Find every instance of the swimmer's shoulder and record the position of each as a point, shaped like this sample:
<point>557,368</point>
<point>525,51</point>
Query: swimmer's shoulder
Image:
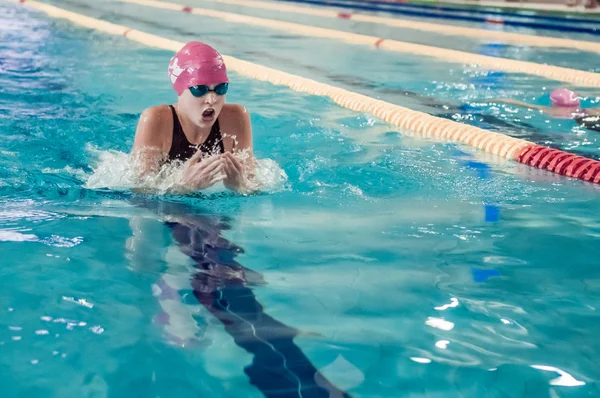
<point>235,115</point>
<point>235,123</point>
<point>155,128</point>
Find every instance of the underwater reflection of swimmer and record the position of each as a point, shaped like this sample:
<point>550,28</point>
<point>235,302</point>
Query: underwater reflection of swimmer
<point>565,104</point>
<point>279,368</point>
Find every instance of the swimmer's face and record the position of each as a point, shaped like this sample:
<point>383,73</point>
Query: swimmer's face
<point>201,106</point>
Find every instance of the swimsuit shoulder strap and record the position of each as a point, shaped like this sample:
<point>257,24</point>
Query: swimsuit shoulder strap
<point>179,144</point>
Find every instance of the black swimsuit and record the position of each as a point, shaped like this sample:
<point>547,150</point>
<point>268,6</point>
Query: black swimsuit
<point>590,122</point>
<point>182,149</point>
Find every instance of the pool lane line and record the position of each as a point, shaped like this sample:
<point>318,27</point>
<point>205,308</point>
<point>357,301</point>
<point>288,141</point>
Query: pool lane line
<point>448,30</point>
<point>437,14</point>
<point>416,123</point>
<point>572,76</point>
<point>489,10</point>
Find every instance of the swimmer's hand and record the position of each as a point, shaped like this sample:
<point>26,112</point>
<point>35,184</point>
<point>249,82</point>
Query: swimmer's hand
<point>235,173</point>
<point>201,173</point>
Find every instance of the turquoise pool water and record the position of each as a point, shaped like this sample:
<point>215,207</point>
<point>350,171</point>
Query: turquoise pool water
<point>405,268</point>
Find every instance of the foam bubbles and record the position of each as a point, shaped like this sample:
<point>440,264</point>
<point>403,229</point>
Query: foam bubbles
<point>119,171</point>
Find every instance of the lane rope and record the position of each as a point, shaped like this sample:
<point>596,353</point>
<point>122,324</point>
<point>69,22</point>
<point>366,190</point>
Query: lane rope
<point>572,76</point>
<point>449,30</point>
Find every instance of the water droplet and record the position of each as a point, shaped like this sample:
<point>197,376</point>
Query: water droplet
<point>97,329</point>
<point>439,324</point>
<point>442,344</point>
<point>16,338</point>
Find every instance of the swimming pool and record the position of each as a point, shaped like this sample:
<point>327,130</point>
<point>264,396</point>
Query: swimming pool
<point>405,267</point>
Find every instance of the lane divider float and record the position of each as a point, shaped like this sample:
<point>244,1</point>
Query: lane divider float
<point>572,76</point>
<point>449,30</point>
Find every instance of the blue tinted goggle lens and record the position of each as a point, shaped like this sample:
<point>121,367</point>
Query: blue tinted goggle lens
<point>199,91</point>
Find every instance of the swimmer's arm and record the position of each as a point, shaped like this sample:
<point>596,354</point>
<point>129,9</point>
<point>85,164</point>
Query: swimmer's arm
<point>149,148</point>
<point>240,126</point>
<point>245,145</point>
<point>516,103</point>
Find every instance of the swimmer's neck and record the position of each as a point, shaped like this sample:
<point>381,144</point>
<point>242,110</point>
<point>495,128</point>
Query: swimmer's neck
<point>195,134</point>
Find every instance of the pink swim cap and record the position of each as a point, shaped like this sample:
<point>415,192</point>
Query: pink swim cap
<point>564,98</point>
<point>196,64</point>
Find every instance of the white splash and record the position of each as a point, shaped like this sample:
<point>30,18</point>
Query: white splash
<point>565,379</point>
<point>453,303</point>
<point>54,240</point>
<point>68,170</point>
<point>439,324</point>
<point>421,360</point>
<point>12,236</point>
<point>60,241</point>
<point>97,329</point>
<point>442,344</point>
<point>117,170</point>
<point>82,302</point>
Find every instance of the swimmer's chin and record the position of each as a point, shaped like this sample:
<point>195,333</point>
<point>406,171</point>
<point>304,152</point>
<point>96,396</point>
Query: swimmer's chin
<point>204,124</point>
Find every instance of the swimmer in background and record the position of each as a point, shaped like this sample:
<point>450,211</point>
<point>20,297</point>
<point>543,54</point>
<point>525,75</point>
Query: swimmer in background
<point>565,105</point>
<point>200,130</point>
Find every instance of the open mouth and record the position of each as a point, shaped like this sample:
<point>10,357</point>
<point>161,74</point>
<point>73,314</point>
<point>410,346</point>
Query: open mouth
<point>208,114</point>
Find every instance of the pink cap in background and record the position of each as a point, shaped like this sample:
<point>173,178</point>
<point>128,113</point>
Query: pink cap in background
<point>564,98</point>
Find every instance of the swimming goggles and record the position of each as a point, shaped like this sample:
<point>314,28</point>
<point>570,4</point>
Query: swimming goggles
<point>199,91</point>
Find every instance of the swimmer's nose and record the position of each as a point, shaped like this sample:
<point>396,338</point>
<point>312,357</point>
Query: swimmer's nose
<point>211,98</point>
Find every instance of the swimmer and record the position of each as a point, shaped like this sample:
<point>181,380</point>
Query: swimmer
<point>565,105</point>
<point>200,130</point>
